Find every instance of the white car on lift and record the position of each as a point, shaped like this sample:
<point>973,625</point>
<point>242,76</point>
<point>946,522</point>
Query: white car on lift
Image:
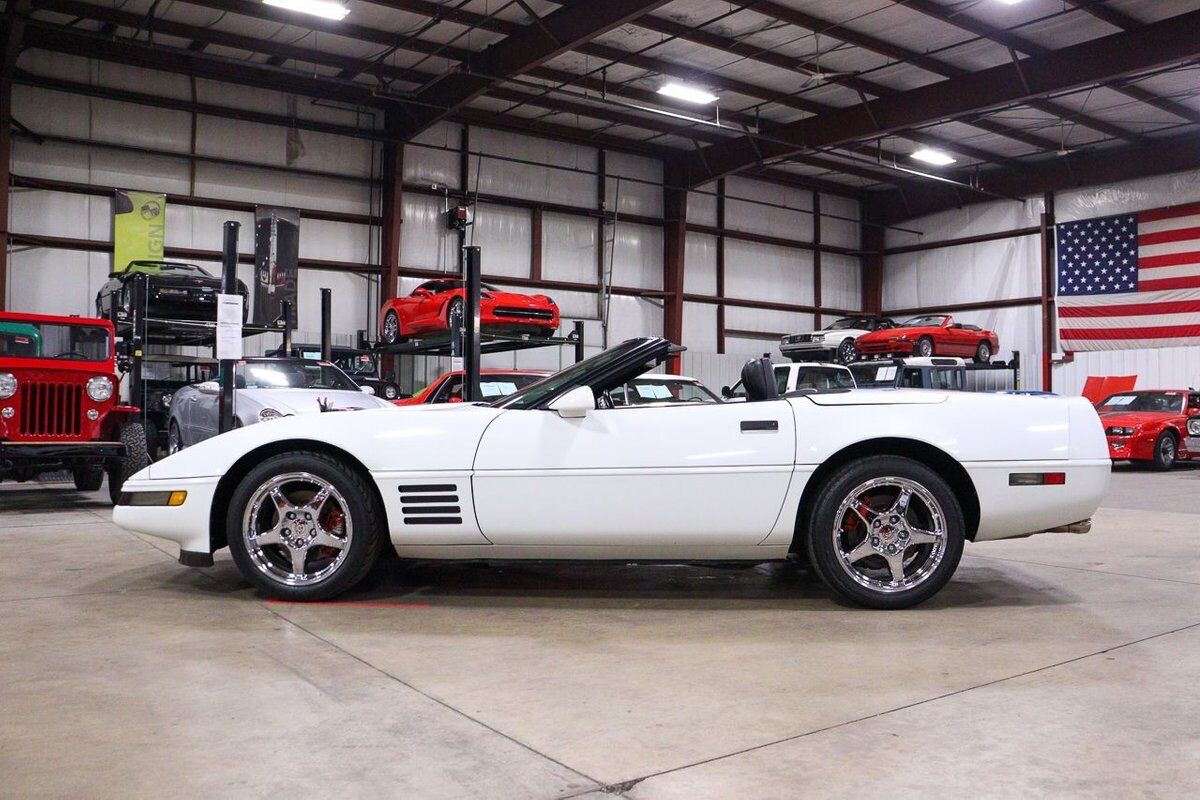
<point>834,342</point>
<point>879,490</point>
<point>795,377</point>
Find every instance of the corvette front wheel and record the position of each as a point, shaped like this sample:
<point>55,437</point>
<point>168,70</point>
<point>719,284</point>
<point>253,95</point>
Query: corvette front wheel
<point>885,532</point>
<point>924,347</point>
<point>391,328</point>
<point>302,526</point>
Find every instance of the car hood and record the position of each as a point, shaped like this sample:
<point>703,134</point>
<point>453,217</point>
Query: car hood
<point>839,333</point>
<point>1133,419</point>
<point>304,401</point>
<point>518,300</point>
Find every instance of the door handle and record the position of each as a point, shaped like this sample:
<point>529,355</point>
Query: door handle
<point>759,425</point>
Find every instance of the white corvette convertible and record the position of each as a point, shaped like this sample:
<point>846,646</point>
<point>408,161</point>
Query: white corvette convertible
<point>878,490</point>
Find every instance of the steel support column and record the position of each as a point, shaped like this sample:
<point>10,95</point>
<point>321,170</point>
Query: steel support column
<point>674,246</point>
<point>872,238</point>
<point>817,258</point>
<point>5,165</point>
<point>1048,287</point>
<point>721,264</point>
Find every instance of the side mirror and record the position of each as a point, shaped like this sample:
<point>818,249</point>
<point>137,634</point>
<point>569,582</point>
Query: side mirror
<point>575,404</point>
<point>726,392</point>
<point>367,389</point>
<point>209,387</point>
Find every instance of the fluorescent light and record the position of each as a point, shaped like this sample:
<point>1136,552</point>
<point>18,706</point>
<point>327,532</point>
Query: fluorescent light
<point>935,157</point>
<point>318,8</point>
<point>1010,2</point>
<point>689,93</point>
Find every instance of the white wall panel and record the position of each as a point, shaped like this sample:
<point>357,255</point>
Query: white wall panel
<point>503,234</point>
<point>702,205</point>
<point>997,270</point>
<point>979,218</point>
<point>839,221</point>
<point>425,241</point>
<point>425,165</point>
<point>764,272</point>
<point>633,316</point>
<point>638,257</point>
<point>700,327</point>
<point>1160,368</point>
<point>841,282</point>
<point>569,248</point>
<point>1121,198</point>
<point>50,281</point>
<point>532,181</point>
<point>700,264</point>
<point>712,369</point>
<point>793,221</point>
<point>633,196</point>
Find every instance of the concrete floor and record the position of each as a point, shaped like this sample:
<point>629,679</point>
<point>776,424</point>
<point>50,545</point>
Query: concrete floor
<point>1058,666</point>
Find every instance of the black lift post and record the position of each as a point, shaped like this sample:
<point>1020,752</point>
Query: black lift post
<point>471,343</point>
<point>229,259</point>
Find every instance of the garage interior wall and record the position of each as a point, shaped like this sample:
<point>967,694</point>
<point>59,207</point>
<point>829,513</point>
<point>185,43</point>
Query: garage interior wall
<point>1010,269</point>
<point>331,173</point>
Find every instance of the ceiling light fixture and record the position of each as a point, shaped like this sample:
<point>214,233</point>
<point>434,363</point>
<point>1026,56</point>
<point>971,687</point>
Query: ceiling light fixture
<point>1010,2</point>
<point>935,157</point>
<point>689,94</point>
<point>318,8</point>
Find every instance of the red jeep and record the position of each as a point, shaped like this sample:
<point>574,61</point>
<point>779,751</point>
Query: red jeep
<point>59,406</point>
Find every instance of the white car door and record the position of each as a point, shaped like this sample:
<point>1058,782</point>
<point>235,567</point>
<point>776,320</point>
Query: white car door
<point>680,475</point>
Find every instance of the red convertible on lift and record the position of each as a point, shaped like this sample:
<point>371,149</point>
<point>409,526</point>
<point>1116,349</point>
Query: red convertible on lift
<point>438,306</point>
<point>1149,427</point>
<point>930,335</point>
<point>493,384</point>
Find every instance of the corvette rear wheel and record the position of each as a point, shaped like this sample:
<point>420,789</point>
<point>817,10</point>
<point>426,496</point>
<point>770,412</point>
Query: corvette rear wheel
<point>302,526</point>
<point>391,328</point>
<point>885,532</point>
<point>983,353</point>
<point>455,315</point>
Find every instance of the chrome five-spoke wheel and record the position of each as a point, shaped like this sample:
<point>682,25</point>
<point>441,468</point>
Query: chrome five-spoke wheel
<point>890,534</point>
<point>297,528</point>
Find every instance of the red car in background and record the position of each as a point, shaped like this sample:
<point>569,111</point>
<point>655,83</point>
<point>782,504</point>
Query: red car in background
<point>437,306</point>
<point>930,335</point>
<point>493,384</point>
<point>1149,426</point>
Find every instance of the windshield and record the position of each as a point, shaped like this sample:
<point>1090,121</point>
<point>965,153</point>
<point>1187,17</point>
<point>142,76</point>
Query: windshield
<point>584,373</point>
<point>292,374</point>
<point>874,376</point>
<point>449,286</point>
<point>29,339</point>
<point>168,268</point>
<point>928,321</point>
<point>1166,402</point>
<point>819,379</point>
<point>492,387</point>
<point>644,391</point>
<point>850,323</point>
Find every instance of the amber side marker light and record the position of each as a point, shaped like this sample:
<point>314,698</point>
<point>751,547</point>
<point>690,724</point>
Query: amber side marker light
<point>1037,478</point>
<point>175,498</point>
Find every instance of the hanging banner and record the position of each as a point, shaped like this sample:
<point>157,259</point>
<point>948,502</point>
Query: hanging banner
<point>139,227</point>
<point>276,262</point>
<point>1129,281</point>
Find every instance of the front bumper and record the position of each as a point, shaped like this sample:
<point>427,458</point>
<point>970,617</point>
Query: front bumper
<point>808,351</point>
<point>188,525</point>
<point>1130,448</point>
<point>60,451</point>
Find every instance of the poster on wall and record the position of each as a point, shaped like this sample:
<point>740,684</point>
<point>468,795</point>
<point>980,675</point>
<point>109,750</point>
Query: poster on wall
<point>276,262</point>
<point>139,227</point>
<point>1129,281</point>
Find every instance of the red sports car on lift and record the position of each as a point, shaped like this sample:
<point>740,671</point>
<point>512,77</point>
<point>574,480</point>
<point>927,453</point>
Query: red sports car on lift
<point>1149,426</point>
<point>438,306</point>
<point>493,384</point>
<point>930,335</point>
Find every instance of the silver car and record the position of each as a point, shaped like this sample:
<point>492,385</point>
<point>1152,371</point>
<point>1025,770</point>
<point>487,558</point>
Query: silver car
<point>265,389</point>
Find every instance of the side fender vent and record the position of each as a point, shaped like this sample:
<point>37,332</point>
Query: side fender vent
<point>431,504</point>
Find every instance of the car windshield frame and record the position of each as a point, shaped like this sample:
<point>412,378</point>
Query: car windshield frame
<point>346,383</point>
<point>1136,404</point>
<point>167,268</point>
<point>602,372</point>
<point>456,283</point>
<point>667,381</point>
<point>856,323</point>
<point>45,337</point>
<point>920,322</point>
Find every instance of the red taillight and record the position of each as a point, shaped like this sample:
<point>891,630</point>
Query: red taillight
<point>1037,479</point>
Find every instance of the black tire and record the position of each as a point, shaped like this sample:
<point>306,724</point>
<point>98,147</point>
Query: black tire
<point>389,391</point>
<point>455,311</point>
<point>923,347</point>
<point>88,479</point>
<point>1166,451</point>
<point>846,352</point>
<point>391,328</point>
<point>368,520</point>
<point>820,526</point>
<point>136,458</point>
<point>983,353</point>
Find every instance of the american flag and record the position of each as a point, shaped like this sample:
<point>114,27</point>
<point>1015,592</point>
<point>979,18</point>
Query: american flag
<point>1130,281</point>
